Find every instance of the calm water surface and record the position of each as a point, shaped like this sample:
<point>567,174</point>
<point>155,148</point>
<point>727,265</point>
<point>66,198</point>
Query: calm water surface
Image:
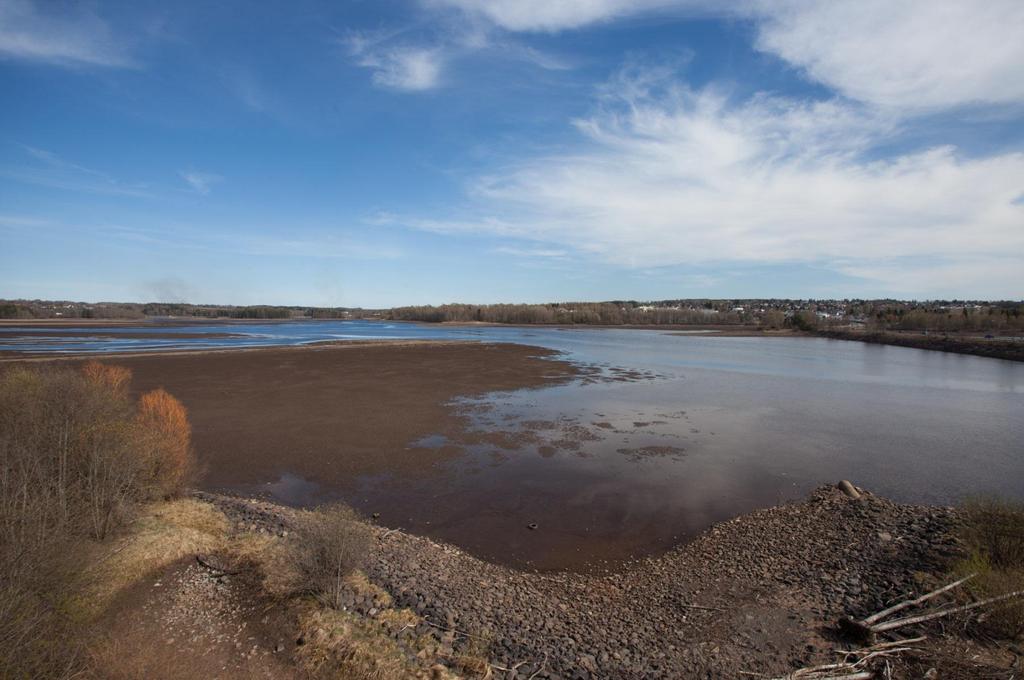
<point>701,428</point>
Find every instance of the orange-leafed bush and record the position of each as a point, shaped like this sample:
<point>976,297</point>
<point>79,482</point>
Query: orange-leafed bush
<point>114,377</point>
<point>165,427</point>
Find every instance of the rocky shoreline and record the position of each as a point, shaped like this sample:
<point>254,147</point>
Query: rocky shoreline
<point>759,593</point>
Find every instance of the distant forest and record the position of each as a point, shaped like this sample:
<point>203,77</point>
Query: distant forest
<point>941,316</point>
<point>944,316</point>
<point>590,313</point>
<point>50,309</point>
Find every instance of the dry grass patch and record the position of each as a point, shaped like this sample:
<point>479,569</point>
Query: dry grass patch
<point>163,533</point>
<point>363,586</point>
<point>272,558</point>
<point>398,619</point>
<point>341,645</point>
<point>473,658</point>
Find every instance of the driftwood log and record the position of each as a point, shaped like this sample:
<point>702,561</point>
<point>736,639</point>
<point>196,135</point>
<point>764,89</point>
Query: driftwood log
<point>849,489</point>
<point>910,620</point>
<point>867,628</point>
<point>854,665</point>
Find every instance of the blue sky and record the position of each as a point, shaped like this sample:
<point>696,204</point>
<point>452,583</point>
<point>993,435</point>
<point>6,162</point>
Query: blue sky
<point>427,151</point>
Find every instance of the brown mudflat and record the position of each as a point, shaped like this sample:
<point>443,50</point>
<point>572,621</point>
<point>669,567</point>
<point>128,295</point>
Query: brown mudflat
<point>331,414</point>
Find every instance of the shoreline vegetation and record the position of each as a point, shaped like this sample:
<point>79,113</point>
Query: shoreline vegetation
<point>976,345</point>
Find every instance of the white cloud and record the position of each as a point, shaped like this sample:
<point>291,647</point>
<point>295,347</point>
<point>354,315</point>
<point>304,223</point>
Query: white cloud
<point>406,68</point>
<point>990,278</point>
<point>553,15</point>
<point>201,182</point>
<point>905,54</point>
<point>670,176</point>
<point>909,54</point>
<point>58,33</point>
<point>552,253</point>
<point>398,67</point>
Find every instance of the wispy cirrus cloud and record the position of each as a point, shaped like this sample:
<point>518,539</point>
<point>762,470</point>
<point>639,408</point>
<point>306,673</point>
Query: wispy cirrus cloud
<point>909,55</point>
<point>201,182</point>
<point>397,66</point>
<point>545,15</point>
<point>22,221</point>
<point>549,253</point>
<point>404,62</point>
<point>59,33</point>
<point>666,175</point>
<point>47,168</point>
<point>912,54</point>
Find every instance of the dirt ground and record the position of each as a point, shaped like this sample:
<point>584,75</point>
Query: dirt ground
<point>185,621</point>
<point>332,413</point>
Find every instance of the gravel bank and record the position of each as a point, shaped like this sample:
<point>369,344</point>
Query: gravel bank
<point>757,593</point>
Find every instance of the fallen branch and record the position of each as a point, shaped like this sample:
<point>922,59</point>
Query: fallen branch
<point>808,674</point>
<point>512,671</point>
<point>881,646</point>
<point>852,670</point>
<point>702,607</point>
<point>218,571</point>
<point>916,601</point>
<point>865,629</point>
<point>448,629</point>
<point>539,668</point>
<point>909,620</point>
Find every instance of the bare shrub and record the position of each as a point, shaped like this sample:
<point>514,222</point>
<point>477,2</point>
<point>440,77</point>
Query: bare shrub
<point>331,544</point>
<point>995,528</point>
<point>75,459</point>
<point>113,475</point>
<point>37,638</point>
<point>993,532</point>
<point>115,378</point>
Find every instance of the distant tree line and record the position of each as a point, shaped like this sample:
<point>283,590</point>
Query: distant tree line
<point>807,315</point>
<point>46,309</point>
<point>589,313</point>
<point>946,317</point>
